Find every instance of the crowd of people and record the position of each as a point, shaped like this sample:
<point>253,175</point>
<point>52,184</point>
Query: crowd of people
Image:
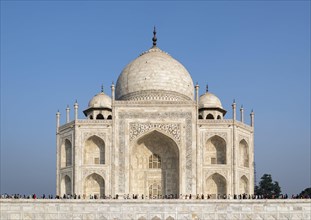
<point>136,196</point>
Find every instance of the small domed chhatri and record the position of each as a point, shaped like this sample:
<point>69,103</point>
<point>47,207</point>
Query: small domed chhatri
<point>154,138</point>
<point>99,107</point>
<point>154,75</point>
<point>210,106</point>
<point>101,100</point>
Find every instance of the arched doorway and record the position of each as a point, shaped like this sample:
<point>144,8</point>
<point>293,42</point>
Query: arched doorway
<point>154,165</point>
<point>100,117</point>
<point>216,185</point>
<point>209,116</point>
<point>244,185</point>
<point>94,185</point>
<point>66,185</point>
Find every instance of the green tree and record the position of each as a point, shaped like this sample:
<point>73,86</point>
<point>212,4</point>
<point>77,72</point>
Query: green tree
<point>267,187</point>
<point>306,193</point>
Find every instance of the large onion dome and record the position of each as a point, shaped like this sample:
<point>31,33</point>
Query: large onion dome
<point>154,75</point>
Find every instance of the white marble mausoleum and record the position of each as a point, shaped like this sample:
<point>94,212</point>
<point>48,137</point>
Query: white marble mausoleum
<point>155,136</point>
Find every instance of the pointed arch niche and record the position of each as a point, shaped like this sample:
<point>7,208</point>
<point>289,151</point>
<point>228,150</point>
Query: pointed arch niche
<point>66,154</point>
<point>65,185</point>
<point>154,161</point>
<point>215,185</point>
<point>244,185</point>
<point>244,154</point>
<point>94,184</point>
<point>215,151</point>
<point>94,151</point>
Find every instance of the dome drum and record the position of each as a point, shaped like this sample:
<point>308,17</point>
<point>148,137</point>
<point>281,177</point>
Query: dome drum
<point>155,95</point>
<point>223,111</point>
<point>89,110</point>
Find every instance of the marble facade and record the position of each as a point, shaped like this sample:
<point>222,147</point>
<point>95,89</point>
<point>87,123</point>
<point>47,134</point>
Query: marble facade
<point>155,136</point>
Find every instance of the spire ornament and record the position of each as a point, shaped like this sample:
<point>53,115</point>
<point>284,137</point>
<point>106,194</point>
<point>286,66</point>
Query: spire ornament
<point>154,39</point>
<point>206,87</point>
<point>102,88</point>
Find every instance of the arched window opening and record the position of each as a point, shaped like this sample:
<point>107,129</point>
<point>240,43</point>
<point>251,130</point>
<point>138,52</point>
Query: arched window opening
<point>209,116</point>
<point>244,154</point>
<point>216,186</point>
<point>215,151</point>
<point>218,117</point>
<point>109,117</point>
<point>91,116</point>
<point>155,190</point>
<point>94,185</point>
<point>68,149</point>
<point>154,161</point>
<point>94,151</point>
<point>100,117</point>
<point>200,117</point>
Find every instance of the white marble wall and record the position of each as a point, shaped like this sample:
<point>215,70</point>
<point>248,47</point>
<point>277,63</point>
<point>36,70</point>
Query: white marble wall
<point>177,121</point>
<point>154,209</point>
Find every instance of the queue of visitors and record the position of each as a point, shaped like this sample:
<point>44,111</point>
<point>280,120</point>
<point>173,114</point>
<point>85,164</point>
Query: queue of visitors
<point>136,196</point>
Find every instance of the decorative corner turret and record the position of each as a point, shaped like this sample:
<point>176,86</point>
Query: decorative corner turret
<point>210,106</point>
<point>99,106</point>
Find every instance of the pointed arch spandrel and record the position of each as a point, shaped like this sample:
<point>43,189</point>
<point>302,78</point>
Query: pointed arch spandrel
<point>137,130</point>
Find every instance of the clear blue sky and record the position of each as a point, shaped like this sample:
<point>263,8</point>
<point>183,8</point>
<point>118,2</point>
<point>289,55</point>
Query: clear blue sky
<point>54,52</point>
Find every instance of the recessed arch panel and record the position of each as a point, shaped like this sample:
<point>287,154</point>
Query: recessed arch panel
<point>216,185</point>
<point>66,185</point>
<point>66,153</point>
<point>94,150</point>
<point>244,185</point>
<point>94,185</point>
<point>244,154</point>
<point>215,151</point>
<point>154,165</point>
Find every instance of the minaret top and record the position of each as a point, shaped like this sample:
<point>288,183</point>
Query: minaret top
<point>154,39</point>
